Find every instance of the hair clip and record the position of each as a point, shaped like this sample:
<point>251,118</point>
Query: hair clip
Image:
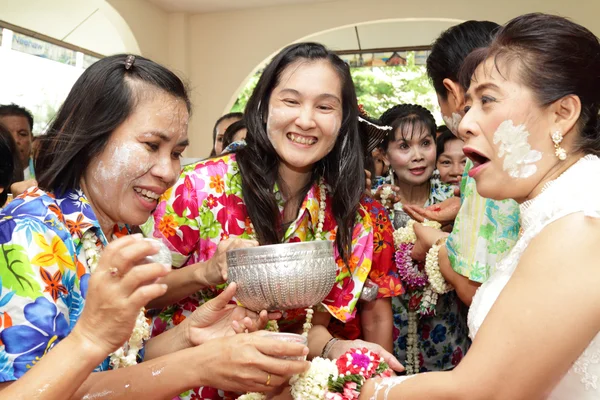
<point>129,61</point>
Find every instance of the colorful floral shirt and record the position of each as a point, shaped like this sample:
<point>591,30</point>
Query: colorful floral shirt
<point>44,275</point>
<point>443,337</point>
<point>484,232</point>
<point>206,206</point>
<point>383,269</point>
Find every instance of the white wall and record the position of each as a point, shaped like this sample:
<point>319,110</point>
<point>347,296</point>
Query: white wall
<point>224,48</point>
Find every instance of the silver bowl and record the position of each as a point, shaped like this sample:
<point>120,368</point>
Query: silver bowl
<point>282,276</point>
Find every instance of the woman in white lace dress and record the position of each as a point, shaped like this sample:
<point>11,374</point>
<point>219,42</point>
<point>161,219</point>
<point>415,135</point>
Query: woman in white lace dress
<point>534,135</point>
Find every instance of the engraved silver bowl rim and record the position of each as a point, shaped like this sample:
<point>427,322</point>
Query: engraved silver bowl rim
<point>267,258</point>
<point>279,249</point>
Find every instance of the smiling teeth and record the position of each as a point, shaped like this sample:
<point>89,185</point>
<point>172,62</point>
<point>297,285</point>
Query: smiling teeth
<point>301,139</point>
<point>147,193</point>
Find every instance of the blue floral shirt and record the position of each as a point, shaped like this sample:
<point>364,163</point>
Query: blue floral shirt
<point>44,275</point>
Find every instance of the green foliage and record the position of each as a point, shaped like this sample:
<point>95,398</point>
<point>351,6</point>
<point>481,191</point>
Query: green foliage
<point>337,385</point>
<point>379,88</point>
<point>240,103</point>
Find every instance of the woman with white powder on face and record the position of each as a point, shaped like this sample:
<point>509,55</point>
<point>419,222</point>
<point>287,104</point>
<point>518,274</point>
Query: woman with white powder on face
<point>532,123</point>
<point>112,150</point>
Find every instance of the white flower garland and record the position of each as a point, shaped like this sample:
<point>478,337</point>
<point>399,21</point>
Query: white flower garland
<point>126,355</point>
<point>412,347</point>
<point>432,269</point>
<point>313,384</point>
<point>386,193</point>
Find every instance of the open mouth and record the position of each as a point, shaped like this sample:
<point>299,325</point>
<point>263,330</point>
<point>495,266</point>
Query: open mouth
<point>475,156</point>
<point>147,194</point>
<point>479,161</point>
<point>305,140</point>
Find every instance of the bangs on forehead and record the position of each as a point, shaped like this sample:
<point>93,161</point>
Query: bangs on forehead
<point>409,128</point>
<point>502,60</point>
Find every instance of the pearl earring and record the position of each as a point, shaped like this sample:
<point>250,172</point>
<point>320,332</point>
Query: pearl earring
<point>559,152</point>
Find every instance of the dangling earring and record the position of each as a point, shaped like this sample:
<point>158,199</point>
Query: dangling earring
<point>391,175</point>
<point>559,152</point>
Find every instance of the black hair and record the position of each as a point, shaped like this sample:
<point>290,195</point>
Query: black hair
<point>16,110</point>
<point>103,97</point>
<point>555,58</point>
<point>231,131</point>
<point>407,119</point>
<point>231,115</point>
<point>452,47</point>
<point>10,166</point>
<point>341,168</point>
<point>444,137</point>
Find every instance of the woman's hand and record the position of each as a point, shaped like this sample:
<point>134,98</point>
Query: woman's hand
<point>445,212</point>
<point>426,237</point>
<point>215,272</point>
<point>218,318</point>
<point>342,346</point>
<point>117,290</point>
<point>393,198</point>
<point>251,362</point>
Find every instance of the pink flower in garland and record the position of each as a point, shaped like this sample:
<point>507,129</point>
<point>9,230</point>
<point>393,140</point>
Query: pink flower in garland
<point>351,391</point>
<point>358,361</point>
<point>410,273</point>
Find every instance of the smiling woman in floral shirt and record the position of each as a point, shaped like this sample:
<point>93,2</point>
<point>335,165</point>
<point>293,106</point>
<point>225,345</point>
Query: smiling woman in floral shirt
<point>299,177</point>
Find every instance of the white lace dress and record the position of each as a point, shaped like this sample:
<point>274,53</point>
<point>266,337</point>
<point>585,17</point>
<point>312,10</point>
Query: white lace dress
<point>574,191</point>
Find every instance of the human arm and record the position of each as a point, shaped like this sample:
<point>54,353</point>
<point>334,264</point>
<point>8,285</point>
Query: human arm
<point>540,324</point>
<point>214,319</point>
<point>113,303</point>
<point>377,322</point>
<point>238,363</point>
<point>445,212</point>
<point>182,282</point>
<point>426,238</point>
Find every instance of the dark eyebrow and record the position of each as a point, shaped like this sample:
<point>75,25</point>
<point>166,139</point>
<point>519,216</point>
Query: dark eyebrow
<point>166,138</point>
<point>323,95</point>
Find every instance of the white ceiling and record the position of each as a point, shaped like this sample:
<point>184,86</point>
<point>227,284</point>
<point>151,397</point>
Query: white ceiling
<point>81,23</point>
<point>208,6</point>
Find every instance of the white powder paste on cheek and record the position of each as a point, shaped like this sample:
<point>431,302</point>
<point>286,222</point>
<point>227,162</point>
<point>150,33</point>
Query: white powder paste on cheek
<point>519,159</point>
<point>453,123</point>
<point>276,118</point>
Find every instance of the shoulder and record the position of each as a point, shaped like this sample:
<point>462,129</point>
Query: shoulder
<point>567,245</point>
<point>212,166</point>
<point>34,208</point>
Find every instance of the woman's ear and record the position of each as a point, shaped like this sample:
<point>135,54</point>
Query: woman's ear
<point>565,113</point>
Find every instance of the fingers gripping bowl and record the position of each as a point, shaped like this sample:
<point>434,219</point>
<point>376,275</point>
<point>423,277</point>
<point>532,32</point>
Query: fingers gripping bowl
<point>282,276</point>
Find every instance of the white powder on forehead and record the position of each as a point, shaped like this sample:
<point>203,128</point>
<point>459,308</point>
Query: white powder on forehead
<point>519,159</point>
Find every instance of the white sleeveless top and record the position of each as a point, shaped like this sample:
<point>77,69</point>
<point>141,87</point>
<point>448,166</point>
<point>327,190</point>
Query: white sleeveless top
<point>574,191</point>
